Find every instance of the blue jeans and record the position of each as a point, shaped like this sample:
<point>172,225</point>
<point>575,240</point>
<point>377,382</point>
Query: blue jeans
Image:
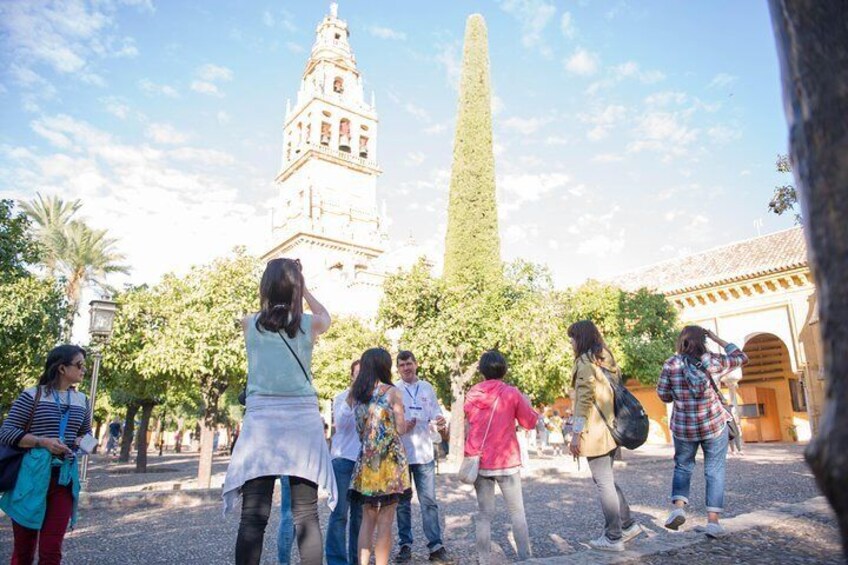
<point>338,522</point>
<point>715,459</point>
<point>285,537</point>
<point>424,475</point>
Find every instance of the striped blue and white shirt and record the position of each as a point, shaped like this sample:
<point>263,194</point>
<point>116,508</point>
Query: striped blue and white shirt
<point>45,422</point>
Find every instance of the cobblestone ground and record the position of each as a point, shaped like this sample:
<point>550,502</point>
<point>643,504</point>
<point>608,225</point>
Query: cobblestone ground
<point>804,540</point>
<point>562,511</point>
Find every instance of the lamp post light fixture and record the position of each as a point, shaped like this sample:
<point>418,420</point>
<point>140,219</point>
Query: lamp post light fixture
<point>102,317</point>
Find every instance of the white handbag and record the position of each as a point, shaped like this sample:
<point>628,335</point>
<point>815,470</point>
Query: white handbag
<point>471,463</point>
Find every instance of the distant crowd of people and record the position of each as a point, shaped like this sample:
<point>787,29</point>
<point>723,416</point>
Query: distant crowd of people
<point>382,442</point>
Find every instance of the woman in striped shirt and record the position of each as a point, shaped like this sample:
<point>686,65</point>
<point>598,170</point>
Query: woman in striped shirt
<point>61,417</point>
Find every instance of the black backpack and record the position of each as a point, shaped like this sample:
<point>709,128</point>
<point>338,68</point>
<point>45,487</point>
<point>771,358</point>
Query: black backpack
<point>630,426</point>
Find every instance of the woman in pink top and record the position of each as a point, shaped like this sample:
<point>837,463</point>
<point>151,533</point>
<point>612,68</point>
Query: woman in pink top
<point>491,410</point>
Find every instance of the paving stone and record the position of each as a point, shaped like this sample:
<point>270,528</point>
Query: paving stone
<point>561,504</point>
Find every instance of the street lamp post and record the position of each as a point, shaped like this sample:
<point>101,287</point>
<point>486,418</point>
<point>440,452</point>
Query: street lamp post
<point>100,328</point>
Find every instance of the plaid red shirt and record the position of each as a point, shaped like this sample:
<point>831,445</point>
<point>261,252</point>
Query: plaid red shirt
<point>694,418</point>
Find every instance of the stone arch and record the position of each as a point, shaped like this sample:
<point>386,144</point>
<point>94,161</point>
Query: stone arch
<point>773,402</point>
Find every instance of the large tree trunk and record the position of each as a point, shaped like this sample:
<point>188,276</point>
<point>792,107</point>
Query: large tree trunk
<point>127,435</point>
<point>459,381</point>
<point>812,45</point>
<point>213,392</point>
<point>141,445</point>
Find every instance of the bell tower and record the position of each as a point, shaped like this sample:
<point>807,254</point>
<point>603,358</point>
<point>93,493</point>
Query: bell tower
<point>327,210</point>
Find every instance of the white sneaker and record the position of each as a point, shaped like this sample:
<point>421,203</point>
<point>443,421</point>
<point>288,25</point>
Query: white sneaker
<point>714,530</point>
<point>633,531</point>
<point>676,518</point>
<point>603,543</point>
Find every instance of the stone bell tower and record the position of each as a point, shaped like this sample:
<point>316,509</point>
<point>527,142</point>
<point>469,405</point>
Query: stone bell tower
<point>327,210</point>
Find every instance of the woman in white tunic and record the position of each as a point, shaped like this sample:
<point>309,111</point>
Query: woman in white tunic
<point>282,433</point>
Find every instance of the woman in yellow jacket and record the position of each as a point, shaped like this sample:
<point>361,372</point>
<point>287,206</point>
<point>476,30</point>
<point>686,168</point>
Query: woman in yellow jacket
<point>591,437</point>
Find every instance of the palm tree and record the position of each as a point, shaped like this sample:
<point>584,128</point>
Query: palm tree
<point>88,256</point>
<point>52,216</point>
<point>80,255</point>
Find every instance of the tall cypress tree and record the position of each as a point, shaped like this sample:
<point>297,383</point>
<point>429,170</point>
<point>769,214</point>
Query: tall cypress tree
<point>472,245</point>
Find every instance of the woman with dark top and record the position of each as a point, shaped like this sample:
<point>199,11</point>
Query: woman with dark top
<point>381,475</point>
<point>61,418</point>
<point>282,433</point>
<point>698,420</point>
<point>591,438</point>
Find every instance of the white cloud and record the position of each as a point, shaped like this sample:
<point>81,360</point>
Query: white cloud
<point>497,104</point>
<point>556,140</point>
<point>204,87</point>
<point>116,106</point>
<point>436,128</point>
<point>159,89</point>
<point>223,117</point>
<point>165,134</point>
<point>283,17</point>
<point>534,16</point>
<point>68,37</point>
<point>518,233</point>
<point>382,32</point>
<point>213,73</point>
<point>449,56</point>
<point>207,77</point>
<point>602,246</point>
<point>724,134</point>
<point>415,158</point>
<point>294,47</point>
<point>629,70</point>
<point>667,98</point>
<point>607,158</point>
<point>668,133</point>
<point>411,108</point>
<point>722,80</point>
<point>566,25</point>
<point>515,190</point>
<point>524,126</point>
<point>603,121</point>
<point>196,203</point>
<point>582,62</point>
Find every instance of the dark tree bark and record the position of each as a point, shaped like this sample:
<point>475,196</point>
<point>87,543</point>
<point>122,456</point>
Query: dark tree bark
<point>812,45</point>
<point>127,435</point>
<point>141,444</point>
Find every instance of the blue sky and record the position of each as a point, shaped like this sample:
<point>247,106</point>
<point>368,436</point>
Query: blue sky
<point>626,132</point>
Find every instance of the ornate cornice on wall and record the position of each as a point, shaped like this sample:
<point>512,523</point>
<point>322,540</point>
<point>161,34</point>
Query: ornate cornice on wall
<point>775,284</point>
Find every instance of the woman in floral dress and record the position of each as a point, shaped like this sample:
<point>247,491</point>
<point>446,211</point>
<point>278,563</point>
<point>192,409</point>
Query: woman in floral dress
<point>381,476</point>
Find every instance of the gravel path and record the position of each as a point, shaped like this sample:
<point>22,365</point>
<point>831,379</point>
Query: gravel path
<point>562,512</point>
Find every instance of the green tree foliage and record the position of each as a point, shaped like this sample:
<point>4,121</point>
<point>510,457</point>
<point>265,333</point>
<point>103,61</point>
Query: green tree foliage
<point>336,349</point>
<point>17,248</point>
<point>472,245</point>
<point>639,328</point>
<point>201,341</point>
<point>130,380</point>
<point>31,308</point>
<point>785,198</point>
<point>80,255</point>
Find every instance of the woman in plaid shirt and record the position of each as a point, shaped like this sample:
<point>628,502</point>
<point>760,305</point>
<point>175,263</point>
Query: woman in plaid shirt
<point>698,419</point>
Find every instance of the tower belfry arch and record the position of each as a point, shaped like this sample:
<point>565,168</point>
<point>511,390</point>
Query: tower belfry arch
<point>327,214</point>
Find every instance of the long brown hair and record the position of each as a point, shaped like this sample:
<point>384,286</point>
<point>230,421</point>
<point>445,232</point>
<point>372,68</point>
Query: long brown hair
<point>281,297</point>
<point>375,366</point>
<point>587,339</point>
<point>692,341</point>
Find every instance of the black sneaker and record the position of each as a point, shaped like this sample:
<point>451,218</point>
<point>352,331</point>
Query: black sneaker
<point>441,556</point>
<point>404,555</point>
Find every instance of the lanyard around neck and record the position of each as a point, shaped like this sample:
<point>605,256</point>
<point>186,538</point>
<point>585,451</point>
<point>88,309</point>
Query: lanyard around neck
<point>65,412</point>
<point>415,396</point>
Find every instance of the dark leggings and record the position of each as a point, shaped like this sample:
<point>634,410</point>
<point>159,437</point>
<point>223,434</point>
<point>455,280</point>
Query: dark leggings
<point>256,508</point>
